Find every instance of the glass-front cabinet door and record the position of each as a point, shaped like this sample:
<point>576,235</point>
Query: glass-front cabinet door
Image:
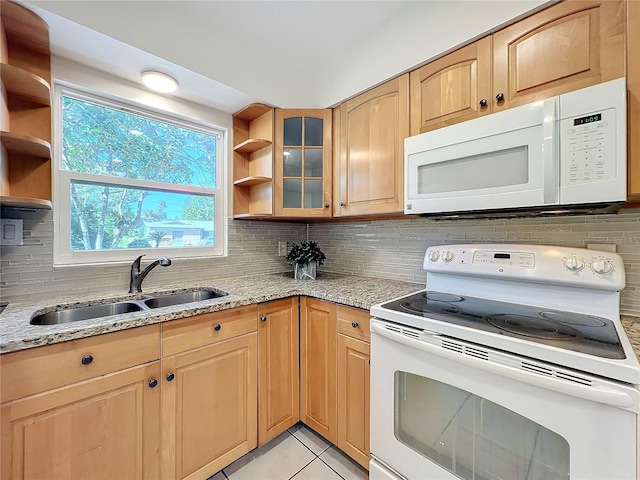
<point>303,163</point>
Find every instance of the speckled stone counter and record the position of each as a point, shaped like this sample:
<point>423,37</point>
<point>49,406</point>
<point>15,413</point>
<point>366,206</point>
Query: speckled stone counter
<point>17,334</point>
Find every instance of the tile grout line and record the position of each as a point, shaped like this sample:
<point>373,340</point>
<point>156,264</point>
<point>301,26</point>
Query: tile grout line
<point>313,460</point>
<point>330,466</point>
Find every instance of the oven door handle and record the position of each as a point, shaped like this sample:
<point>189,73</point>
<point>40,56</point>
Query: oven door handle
<point>595,394</point>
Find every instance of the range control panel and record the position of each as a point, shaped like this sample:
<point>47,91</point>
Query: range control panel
<point>533,263</point>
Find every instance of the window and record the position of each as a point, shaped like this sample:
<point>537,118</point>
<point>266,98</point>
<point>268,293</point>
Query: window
<point>132,182</point>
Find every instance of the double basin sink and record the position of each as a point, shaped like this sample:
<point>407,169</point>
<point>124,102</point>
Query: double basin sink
<point>125,306</point>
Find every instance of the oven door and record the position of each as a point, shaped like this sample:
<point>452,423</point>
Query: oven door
<point>443,408</point>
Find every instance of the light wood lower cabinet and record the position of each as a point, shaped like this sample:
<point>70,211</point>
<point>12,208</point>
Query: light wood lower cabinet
<point>278,368</point>
<point>103,428</point>
<point>209,398</point>
<point>353,398</point>
<point>318,363</point>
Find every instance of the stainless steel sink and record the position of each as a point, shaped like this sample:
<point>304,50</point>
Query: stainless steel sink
<point>179,298</point>
<point>85,313</point>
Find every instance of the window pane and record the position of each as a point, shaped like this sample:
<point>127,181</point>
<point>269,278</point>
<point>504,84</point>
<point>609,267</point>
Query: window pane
<point>105,141</point>
<point>292,162</point>
<point>313,194</point>
<point>313,162</point>
<point>313,132</point>
<point>114,217</point>
<point>293,131</point>
<point>292,193</point>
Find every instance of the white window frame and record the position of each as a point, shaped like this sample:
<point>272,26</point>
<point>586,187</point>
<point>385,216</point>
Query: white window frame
<point>63,254</point>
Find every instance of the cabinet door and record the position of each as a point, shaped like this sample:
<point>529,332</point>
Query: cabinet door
<point>209,407</point>
<point>452,89</point>
<point>568,46</point>
<point>353,398</point>
<point>369,169</point>
<point>103,428</point>
<point>633,97</point>
<point>318,363</point>
<point>303,163</point>
<point>278,368</point>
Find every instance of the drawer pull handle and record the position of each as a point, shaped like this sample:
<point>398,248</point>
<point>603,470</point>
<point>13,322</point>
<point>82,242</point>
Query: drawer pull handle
<point>354,324</point>
<point>87,359</point>
<point>170,376</point>
<point>217,327</point>
<point>500,97</point>
<point>483,102</point>
<point>153,383</point>
<point>263,318</point>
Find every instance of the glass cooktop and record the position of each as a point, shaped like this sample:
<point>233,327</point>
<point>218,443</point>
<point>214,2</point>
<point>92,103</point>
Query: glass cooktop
<point>571,331</point>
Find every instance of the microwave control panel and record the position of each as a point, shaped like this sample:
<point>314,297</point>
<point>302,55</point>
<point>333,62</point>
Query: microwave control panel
<point>588,147</point>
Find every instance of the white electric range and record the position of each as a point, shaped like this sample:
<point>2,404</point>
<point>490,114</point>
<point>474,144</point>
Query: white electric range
<point>512,364</point>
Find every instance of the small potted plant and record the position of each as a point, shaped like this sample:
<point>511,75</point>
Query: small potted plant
<point>304,259</point>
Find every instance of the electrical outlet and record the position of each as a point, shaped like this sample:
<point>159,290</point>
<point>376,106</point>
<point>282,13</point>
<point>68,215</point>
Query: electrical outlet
<point>282,248</point>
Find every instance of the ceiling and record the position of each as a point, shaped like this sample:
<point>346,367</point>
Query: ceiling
<point>302,54</point>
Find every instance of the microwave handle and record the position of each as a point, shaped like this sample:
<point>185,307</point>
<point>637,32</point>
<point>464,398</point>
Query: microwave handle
<point>594,394</point>
<point>551,160</point>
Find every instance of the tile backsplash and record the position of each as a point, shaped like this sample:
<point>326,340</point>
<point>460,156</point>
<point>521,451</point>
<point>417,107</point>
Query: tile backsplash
<point>380,248</point>
<point>395,248</point>
<point>28,270</point>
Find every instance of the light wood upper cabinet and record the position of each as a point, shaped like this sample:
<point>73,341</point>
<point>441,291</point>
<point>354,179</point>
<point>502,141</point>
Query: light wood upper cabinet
<point>278,368</point>
<point>633,98</point>
<point>452,89</point>
<point>318,364</point>
<point>568,46</point>
<point>302,163</point>
<point>209,407</point>
<point>25,113</point>
<point>369,155</point>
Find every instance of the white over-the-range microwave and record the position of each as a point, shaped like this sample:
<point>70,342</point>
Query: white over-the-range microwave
<point>564,154</point>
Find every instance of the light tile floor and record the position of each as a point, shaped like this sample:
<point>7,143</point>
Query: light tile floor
<point>297,454</point>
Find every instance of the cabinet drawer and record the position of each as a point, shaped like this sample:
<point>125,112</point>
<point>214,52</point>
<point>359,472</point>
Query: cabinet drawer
<point>348,316</point>
<point>197,331</point>
<point>43,368</point>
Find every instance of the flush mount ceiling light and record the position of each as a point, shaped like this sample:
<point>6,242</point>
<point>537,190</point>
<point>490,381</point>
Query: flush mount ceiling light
<point>160,82</point>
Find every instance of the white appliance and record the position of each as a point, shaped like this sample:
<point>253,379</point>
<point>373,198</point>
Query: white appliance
<point>566,153</point>
<point>513,364</point>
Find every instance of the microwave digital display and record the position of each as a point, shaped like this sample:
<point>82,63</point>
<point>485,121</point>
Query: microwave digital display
<point>588,119</point>
<point>502,255</point>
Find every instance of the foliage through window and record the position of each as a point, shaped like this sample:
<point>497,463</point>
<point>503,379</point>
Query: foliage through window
<point>131,180</point>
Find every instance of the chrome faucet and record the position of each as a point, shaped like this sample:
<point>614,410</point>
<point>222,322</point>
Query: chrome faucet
<point>135,285</point>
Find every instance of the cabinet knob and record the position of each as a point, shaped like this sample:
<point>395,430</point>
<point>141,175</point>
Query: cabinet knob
<point>217,327</point>
<point>263,318</point>
<point>87,359</point>
<point>153,383</point>
<point>483,102</point>
<point>327,205</point>
<point>500,97</point>
<point>354,324</point>
<point>170,376</point>
<point>342,204</point>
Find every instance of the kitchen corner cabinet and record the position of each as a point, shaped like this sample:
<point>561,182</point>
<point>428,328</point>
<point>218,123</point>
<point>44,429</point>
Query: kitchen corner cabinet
<point>570,45</point>
<point>209,392</point>
<point>25,117</point>
<point>353,383</point>
<point>253,162</point>
<point>633,98</point>
<point>303,163</point>
<point>87,408</point>
<point>278,368</point>
<point>318,364</point>
<point>369,131</point>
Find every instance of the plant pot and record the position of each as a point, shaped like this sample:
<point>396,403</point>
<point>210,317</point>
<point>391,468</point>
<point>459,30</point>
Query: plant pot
<point>306,271</point>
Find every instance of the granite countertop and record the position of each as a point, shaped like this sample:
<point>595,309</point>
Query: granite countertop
<point>16,333</point>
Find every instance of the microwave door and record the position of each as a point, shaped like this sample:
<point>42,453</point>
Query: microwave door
<point>496,170</point>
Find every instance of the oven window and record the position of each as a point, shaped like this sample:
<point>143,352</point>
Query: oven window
<point>473,437</point>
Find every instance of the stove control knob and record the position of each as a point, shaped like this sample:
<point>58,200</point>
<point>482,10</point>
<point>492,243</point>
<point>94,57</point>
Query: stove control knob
<point>574,263</point>
<point>434,256</point>
<point>602,267</point>
<point>448,256</point>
